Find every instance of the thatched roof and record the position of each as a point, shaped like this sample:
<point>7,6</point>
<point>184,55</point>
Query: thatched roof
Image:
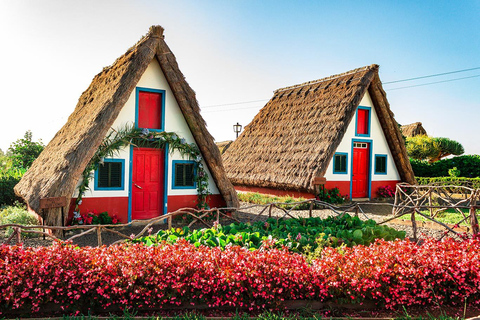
<point>293,138</point>
<point>413,129</point>
<point>58,168</point>
<point>223,145</point>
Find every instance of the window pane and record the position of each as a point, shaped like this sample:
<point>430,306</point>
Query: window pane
<point>380,164</point>
<point>110,175</point>
<point>340,163</point>
<point>184,175</point>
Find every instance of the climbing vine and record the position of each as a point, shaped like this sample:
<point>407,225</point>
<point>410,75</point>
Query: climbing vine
<point>118,139</point>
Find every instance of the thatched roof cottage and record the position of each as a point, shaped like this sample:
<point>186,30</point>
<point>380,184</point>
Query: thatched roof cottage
<point>338,128</point>
<point>413,129</point>
<point>144,87</point>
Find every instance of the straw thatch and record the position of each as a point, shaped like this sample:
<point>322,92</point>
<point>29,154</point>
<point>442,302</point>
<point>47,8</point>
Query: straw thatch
<point>413,129</point>
<point>293,138</point>
<point>58,168</point>
<point>223,145</point>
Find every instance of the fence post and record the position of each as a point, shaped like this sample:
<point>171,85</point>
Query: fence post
<point>414,224</point>
<point>473,218</point>
<point>169,220</point>
<point>310,209</point>
<point>99,236</point>
<point>270,211</point>
<point>18,231</point>
<point>356,210</point>
<point>218,217</point>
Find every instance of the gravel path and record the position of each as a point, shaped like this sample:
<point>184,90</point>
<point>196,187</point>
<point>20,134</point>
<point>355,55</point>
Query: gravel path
<point>246,213</point>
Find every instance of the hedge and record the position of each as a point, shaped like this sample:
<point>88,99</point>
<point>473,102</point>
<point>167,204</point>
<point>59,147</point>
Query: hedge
<point>456,181</point>
<point>469,166</point>
<point>385,274</point>
<point>8,180</point>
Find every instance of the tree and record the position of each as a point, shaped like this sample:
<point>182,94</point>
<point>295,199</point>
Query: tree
<point>423,147</point>
<point>24,151</point>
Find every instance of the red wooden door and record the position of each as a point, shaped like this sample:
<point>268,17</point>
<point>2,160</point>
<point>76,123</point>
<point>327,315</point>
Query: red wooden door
<point>148,178</point>
<point>360,170</point>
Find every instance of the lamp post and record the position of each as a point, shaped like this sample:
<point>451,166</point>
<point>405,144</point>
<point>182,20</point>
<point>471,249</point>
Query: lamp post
<point>237,128</point>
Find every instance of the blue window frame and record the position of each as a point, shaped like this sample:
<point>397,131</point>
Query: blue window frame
<point>367,123</point>
<point>184,173</point>
<point>340,163</point>
<point>162,120</point>
<point>110,175</point>
<point>380,164</point>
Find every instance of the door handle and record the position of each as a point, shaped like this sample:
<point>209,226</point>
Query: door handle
<point>136,185</point>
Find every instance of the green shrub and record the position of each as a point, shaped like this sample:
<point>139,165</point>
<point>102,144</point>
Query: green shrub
<point>8,179</point>
<point>331,196</point>
<point>17,215</point>
<point>468,165</point>
<point>456,181</point>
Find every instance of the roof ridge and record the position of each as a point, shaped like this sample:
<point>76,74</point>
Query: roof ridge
<point>326,79</point>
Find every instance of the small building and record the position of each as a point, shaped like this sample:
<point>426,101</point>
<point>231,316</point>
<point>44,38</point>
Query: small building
<point>143,88</point>
<point>413,129</point>
<point>339,129</point>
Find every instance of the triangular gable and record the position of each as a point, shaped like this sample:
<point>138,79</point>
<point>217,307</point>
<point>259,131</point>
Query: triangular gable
<point>56,171</point>
<point>292,139</point>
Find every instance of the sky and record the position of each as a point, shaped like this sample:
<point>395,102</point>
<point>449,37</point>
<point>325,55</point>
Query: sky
<point>235,53</point>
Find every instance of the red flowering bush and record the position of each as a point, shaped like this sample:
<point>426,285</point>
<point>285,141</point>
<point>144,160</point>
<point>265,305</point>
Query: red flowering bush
<point>136,276</point>
<point>93,217</point>
<point>385,192</point>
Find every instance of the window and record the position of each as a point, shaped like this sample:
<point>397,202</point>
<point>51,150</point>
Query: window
<point>363,122</point>
<point>150,109</point>
<point>380,164</point>
<point>110,175</point>
<point>340,163</point>
<point>184,175</point>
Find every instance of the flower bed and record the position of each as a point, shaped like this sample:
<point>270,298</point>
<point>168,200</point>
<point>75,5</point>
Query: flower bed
<point>298,235</point>
<point>389,274</point>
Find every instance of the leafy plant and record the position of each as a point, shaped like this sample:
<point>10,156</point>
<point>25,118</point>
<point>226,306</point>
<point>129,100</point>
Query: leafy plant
<point>294,234</point>
<point>8,179</point>
<point>391,274</point>
<point>422,147</point>
<point>24,151</point>
<point>454,172</point>
<point>331,195</point>
<point>93,217</point>
<point>17,215</point>
<point>386,192</point>
<point>456,181</point>
<point>469,166</point>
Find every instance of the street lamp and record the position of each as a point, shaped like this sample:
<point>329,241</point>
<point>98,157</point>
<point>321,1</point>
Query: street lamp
<point>237,128</point>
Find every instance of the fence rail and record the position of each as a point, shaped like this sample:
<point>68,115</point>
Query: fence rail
<point>409,199</point>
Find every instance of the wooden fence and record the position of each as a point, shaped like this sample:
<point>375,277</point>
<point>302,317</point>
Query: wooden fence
<point>409,199</point>
<point>430,200</point>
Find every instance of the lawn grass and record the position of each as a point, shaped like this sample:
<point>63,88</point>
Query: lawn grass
<point>449,216</point>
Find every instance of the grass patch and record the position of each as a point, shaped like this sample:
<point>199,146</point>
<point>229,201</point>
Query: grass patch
<point>258,198</point>
<point>449,216</point>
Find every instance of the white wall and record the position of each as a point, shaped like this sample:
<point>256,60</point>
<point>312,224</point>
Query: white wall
<point>379,146</point>
<point>153,78</point>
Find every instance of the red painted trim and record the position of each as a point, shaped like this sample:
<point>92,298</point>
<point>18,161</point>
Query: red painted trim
<point>343,187</point>
<point>276,192</point>
<point>377,184</point>
<point>190,201</point>
<point>113,205</point>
